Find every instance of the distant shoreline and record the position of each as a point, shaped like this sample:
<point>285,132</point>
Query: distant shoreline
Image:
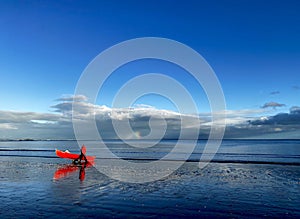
<point>227,139</point>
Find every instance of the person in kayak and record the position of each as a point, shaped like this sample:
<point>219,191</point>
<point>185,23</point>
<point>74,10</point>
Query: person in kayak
<point>81,156</point>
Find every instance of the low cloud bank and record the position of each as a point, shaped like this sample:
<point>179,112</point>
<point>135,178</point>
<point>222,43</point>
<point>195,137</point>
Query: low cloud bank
<point>58,123</point>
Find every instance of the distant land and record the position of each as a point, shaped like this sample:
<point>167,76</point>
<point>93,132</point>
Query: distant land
<point>200,139</point>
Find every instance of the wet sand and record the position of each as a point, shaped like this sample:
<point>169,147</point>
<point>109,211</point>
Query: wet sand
<point>224,190</point>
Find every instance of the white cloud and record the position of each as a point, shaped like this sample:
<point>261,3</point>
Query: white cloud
<point>43,121</point>
<point>58,125</point>
<point>7,126</point>
<point>232,117</point>
<point>20,117</point>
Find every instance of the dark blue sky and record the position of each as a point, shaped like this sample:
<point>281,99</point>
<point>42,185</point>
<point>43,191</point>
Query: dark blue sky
<point>253,46</point>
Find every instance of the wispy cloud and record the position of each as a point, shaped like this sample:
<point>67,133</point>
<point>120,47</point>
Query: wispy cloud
<point>79,98</point>
<point>296,87</point>
<point>275,92</point>
<point>273,105</point>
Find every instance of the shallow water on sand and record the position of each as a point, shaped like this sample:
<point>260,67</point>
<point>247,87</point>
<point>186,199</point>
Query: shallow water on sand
<point>27,189</point>
<point>232,190</point>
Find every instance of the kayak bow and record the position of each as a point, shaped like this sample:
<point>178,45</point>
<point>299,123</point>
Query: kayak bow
<point>68,155</point>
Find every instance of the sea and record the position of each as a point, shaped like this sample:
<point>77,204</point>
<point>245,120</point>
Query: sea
<point>244,179</point>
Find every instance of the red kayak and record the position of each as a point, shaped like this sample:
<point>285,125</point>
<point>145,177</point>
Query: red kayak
<point>68,169</point>
<point>64,171</point>
<point>68,155</point>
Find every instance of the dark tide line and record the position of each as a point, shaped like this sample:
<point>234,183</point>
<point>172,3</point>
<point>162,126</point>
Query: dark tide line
<point>32,156</point>
<point>223,154</point>
<point>216,161</point>
<point>189,160</point>
<point>11,149</point>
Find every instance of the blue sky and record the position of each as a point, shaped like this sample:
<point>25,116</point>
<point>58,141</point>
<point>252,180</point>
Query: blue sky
<point>253,47</point>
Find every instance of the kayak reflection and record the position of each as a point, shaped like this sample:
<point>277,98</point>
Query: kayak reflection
<point>69,169</point>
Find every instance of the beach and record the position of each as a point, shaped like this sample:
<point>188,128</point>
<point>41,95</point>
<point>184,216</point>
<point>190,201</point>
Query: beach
<point>29,189</point>
<point>186,109</point>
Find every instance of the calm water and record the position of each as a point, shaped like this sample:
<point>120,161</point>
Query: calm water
<point>256,151</point>
<point>247,179</point>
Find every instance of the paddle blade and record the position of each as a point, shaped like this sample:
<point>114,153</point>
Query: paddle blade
<point>83,149</point>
